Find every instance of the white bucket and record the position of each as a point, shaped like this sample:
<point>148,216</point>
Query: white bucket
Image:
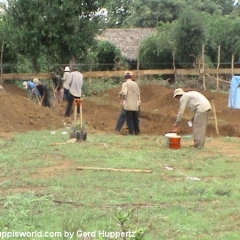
<point>167,136</point>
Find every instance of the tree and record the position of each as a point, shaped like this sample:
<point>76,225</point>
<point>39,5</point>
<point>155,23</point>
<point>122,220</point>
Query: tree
<point>149,13</point>
<point>10,56</point>
<point>60,29</point>
<point>223,31</point>
<point>106,55</point>
<point>117,12</point>
<point>157,51</point>
<point>142,13</point>
<point>190,35</point>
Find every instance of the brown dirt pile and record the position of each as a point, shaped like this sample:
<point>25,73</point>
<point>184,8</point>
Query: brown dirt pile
<point>20,114</point>
<point>158,112</point>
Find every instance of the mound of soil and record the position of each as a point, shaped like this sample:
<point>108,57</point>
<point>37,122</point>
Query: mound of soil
<point>158,112</point>
<point>20,114</point>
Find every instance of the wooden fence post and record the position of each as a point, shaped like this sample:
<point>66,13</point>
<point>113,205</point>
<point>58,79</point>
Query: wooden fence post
<point>203,67</point>
<point>215,118</point>
<point>138,65</point>
<point>219,49</point>
<point>174,68</point>
<point>232,65</point>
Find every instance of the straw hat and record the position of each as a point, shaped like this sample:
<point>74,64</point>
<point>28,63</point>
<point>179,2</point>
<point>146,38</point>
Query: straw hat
<point>36,81</point>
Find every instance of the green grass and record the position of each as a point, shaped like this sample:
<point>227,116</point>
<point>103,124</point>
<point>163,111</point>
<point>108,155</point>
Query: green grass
<point>190,194</point>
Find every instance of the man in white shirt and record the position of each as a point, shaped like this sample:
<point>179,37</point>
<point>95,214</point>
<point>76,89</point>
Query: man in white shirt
<point>75,90</point>
<point>131,96</point>
<point>66,78</point>
<point>200,106</point>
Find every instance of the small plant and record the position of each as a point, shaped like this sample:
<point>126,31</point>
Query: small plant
<point>24,206</point>
<point>123,217</point>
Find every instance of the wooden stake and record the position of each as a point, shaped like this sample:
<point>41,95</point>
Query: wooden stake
<point>215,117</point>
<point>217,79</point>
<point>219,49</point>
<point>174,68</point>
<point>115,169</point>
<point>203,68</point>
<point>138,66</point>
<point>72,140</point>
<point>232,67</point>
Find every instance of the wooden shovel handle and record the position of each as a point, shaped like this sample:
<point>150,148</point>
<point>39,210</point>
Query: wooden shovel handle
<point>78,101</point>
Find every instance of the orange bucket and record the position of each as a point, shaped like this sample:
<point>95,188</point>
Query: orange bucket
<point>175,142</point>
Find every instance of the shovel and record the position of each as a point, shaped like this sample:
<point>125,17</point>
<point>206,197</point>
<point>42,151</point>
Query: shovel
<point>37,97</point>
<point>80,135</point>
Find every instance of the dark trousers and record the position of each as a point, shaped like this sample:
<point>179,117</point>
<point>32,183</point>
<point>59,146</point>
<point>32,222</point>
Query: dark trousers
<point>46,101</point>
<point>69,105</point>
<point>132,122</point>
<point>121,120</point>
<point>65,95</point>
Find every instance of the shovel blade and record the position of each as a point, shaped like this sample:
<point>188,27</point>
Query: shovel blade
<point>81,135</point>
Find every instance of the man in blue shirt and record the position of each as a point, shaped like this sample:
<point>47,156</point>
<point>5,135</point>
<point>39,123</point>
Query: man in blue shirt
<point>30,86</point>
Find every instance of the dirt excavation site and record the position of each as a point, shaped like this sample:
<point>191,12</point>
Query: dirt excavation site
<point>100,113</point>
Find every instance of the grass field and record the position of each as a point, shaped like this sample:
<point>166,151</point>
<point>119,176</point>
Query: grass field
<point>190,193</point>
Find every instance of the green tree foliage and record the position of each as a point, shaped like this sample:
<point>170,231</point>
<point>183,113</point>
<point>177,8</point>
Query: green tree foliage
<point>142,13</point>
<point>44,32</point>
<point>106,55</point>
<point>117,12</point>
<point>149,13</point>
<point>223,31</point>
<point>60,29</point>
<point>9,55</point>
<point>226,6</point>
<point>156,52</point>
<point>190,35</point>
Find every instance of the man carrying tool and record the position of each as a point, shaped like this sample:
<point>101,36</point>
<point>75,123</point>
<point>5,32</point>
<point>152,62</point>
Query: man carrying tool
<point>200,105</point>
<point>44,93</point>
<point>57,87</point>
<point>131,95</point>
<point>75,91</point>
<point>122,115</point>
